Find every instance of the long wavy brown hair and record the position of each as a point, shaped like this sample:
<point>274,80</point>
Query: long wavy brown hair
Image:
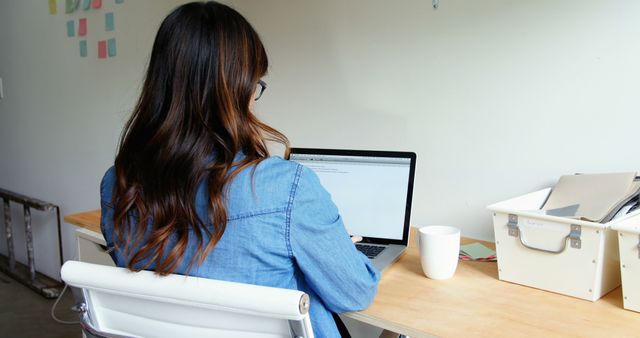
<point>192,119</point>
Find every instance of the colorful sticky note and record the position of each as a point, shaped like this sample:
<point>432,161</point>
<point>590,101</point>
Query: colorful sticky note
<point>119,1</point>
<point>53,7</point>
<point>108,22</point>
<point>86,4</point>
<point>71,28</point>
<point>83,48</point>
<point>102,49</point>
<point>95,4</point>
<point>82,27</point>
<point>111,46</point>
<point>70,6</point>
<point>476,251</point>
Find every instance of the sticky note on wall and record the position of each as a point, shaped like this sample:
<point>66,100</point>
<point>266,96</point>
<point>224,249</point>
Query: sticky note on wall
<point>109,24</point>
<point>111,47</point>
<point>71,28</point>
<point>95,4</point>
<point>86,4</point>
<point>70,6</point>
<point>82,27</point>
<point>53,7</point>
<point>119,1</point>
<point>102,49</point>
<point>83,48</point>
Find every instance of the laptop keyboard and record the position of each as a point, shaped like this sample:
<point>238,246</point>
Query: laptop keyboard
<point>370,251</point>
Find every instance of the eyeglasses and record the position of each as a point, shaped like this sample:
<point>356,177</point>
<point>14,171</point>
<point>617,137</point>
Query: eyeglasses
<point>260,88</point>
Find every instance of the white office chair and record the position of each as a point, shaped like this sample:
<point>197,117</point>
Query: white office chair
<point>119,303</point>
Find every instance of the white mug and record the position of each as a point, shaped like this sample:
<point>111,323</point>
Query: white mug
<point>439,250</point>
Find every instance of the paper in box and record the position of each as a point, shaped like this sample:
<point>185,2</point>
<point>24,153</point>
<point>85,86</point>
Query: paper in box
<point>563,255</point>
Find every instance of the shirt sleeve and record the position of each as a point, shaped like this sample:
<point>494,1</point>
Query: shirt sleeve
<point>107,212</point>
<point>341,276</point>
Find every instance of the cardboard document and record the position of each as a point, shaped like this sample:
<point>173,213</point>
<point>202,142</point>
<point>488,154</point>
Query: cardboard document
<point>592,197</point>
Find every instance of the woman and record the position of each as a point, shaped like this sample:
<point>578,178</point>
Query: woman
<point>194,191</point>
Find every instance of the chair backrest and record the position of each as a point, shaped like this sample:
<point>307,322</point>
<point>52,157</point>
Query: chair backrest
<point>121,303</point>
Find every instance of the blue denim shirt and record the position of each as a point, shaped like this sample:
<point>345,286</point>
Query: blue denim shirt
<point>284,233</point>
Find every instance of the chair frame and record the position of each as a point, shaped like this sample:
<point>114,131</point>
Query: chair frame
<point>298,328</point>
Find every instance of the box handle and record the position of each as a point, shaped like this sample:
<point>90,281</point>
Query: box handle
<point>573,236</point>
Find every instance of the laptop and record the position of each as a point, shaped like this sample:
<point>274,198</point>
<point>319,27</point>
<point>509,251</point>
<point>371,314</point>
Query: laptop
<point>373,192</point>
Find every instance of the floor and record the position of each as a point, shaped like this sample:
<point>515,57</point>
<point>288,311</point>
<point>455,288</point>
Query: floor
<point>26,314</point>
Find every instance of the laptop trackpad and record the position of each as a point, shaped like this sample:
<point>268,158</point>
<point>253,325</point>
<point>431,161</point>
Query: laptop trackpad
<point>388,256</point>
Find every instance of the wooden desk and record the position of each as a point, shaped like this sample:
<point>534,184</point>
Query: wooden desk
<point>89,240</point>
<point>89,220</point>
<point>474,303</point>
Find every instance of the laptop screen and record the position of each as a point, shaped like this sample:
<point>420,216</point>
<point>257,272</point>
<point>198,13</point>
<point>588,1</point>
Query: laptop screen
<point>371,189</point>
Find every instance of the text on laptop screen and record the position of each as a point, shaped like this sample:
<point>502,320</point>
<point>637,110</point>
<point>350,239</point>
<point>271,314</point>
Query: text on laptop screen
<point>370,192</point>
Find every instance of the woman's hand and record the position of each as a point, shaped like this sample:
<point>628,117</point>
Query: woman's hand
<point>355,239</point>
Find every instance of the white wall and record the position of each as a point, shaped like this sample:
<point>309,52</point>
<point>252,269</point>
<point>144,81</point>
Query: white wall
<point>62,114</point>
<point>497,98</point>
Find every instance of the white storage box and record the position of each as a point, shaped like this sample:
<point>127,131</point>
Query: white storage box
<point>563,255</point>
<point>629,243</point>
